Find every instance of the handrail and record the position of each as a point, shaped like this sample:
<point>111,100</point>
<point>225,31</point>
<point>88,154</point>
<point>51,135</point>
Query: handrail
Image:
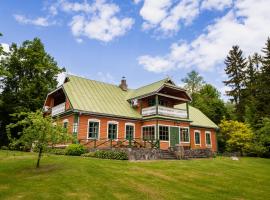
<point>121,142</point>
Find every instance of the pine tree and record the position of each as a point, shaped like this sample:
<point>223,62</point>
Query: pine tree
<point>263,100</point>
<point>235,66</point>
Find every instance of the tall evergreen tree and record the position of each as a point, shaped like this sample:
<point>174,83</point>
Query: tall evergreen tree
<point>263,99</point>
<point>235,66</point>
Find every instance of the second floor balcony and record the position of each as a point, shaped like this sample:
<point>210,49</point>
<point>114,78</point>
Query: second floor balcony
<point>60,108</point>
<point>165,111</point>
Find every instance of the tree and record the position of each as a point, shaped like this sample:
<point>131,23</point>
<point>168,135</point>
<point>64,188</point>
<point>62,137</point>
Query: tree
<point>193,82</point>
<point>30,73</point>
<point>39,131</point>
<point>263,94</point>
<point>209,102</point>
<point>261,141</point>
<point>235,66</point>
<point>237,136</point>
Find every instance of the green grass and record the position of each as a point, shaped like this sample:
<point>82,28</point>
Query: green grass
<point>63,177</point>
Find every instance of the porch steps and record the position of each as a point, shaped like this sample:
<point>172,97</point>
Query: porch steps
<point>167,155</point>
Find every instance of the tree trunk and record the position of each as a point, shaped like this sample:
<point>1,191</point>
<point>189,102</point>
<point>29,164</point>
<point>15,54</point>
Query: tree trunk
<point>39,157</point>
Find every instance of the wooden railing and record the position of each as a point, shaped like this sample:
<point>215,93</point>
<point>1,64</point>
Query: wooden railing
<point>58,109</point>
<point>165,111</point>
<point>103,143</point>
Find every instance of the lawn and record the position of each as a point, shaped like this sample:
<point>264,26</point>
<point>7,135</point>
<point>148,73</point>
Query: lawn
<point>63,177</point>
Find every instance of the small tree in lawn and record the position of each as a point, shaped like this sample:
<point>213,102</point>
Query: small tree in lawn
<point>39,131</point>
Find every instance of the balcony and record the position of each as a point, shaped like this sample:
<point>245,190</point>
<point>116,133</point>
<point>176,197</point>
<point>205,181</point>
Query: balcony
<point>58,109</point>
<point>165,111</point>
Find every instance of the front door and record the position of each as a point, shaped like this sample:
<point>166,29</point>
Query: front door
<point>174,136</point>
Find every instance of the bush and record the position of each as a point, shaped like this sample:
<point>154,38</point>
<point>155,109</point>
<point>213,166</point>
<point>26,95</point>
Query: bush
<point>75,150</point>
<point>4,147</point>
<point>90,154</point>
<point>116,155</point>
<point>57,151</point>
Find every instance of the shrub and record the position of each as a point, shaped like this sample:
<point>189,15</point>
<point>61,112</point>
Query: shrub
<point>75,150</point>
<point>57,151</point>
<point>4,147</point>
<point>90,154</point>
<point>116,155</point>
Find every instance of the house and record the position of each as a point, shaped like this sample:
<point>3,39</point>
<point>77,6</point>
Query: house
<point>155,115</point>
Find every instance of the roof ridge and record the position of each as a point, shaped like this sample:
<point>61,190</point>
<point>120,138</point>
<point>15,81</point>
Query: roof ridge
<point>93,80</point>
<point>153,83</point>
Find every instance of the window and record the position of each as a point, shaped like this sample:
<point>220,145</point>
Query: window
<point>75,128</point>
<point>184,135</point>
<point>208,138</point>
<point>65,123</point>
<point>197,137</point>
<point>151,102</point>
<point>149,133</point>
<point>129,131</point>
<point>93,129</point>
<point>164,133</point>
<point>112,131</point>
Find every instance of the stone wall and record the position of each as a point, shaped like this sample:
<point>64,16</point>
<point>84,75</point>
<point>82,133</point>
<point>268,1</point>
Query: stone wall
<point>182,153</point>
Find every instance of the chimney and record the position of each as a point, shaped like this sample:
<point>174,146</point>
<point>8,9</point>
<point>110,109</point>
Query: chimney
<point>123,84</point>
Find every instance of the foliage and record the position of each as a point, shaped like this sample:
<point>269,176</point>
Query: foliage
<point>236,135</point>
<point>193,82</point>
<point>38,131</point>
<point>75,150</point>
<point>89,154</point>
<point>209,102</point>
<point>235,67</point>
<point>261,141</point>
<point>115,155</point>
<point>30,73</point>
<point>4,148</point>
<point>57,151</point>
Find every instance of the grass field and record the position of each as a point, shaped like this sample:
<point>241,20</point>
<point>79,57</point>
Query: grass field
<point>62,177</point>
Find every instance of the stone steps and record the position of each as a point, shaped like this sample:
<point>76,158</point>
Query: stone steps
<point>167,155</point>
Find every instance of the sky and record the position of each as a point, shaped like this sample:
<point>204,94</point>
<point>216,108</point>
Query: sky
<point>143,40</point>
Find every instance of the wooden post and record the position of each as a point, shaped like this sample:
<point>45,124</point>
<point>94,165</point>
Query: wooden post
<point>187,110</point>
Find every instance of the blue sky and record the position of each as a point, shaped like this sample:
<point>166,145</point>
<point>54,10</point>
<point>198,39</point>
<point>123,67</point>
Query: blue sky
<point>144,40</point>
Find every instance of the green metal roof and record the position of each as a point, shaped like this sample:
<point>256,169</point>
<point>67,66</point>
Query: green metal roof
<point>197,117</point>
<point>98,97</point>
<point>103,98</point>
<point>148,89</point>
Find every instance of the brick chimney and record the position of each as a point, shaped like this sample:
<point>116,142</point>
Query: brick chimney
<point>123,84</point>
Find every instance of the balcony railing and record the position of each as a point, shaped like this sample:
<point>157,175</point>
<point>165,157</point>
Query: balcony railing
<point>58,109</point>
<point>165,111</point>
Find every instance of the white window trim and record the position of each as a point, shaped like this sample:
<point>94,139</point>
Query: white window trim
<point>186,127</point>
<point>208,145</point>
<point>148,126</point>
<point>93,120</point>
<point>130,124</point>
<point>168,133</point>
<point>197,131</point>
<point>112,122</point>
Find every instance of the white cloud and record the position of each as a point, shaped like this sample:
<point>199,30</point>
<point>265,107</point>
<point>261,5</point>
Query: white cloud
<point>165,16</point>
<point>216,4</point>
<point>39,21</point>
<point>74,6</point>
<point>245,25</point>
<point>102,24</point>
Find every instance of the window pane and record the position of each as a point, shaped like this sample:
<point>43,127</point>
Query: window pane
<point>93,129</point>
<point>197,138</point>
<point>129,132</point>
<point>208,139</point>
<point>112,131</point>
<point>149,133</point>
<point>65,125</point>
<point>164,133</point>
<point>184,135</point>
